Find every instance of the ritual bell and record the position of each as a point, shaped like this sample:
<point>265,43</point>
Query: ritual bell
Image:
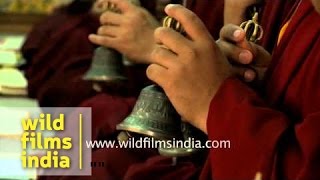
<point>153,115</point>
<point>106,66</point>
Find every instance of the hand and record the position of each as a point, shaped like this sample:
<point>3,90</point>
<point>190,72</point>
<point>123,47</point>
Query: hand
<point>130,32</point>
<point>250,59</point>
<point>190,70</point>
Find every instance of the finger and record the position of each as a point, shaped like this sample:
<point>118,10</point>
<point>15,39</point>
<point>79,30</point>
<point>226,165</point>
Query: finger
<point>193,26</point>
<point>234,53</point>
<point>101,40</point>
<point>262,56</point>
<point>123,5</point>
<point>109,17</point>
<point>110,31</point>
<point>164,57</point>
<point>249,75</point>
<point>245,73</point>
<point>171,39</point>
<point>158,74</point>
<point>232,33</point>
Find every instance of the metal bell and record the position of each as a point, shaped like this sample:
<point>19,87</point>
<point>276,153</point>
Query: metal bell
<point>106,66</point>
<point>153,115</point>
<point>190,133</point>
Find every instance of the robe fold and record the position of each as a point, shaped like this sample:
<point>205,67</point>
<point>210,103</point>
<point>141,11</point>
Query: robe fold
<point>274,15</point>
<point>50,48</point>
<point>107,112</point>
<point>210,12</point>
<point>276,132</point>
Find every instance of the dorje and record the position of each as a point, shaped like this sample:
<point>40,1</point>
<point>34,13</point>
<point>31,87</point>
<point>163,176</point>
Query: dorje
<point>254,31</point>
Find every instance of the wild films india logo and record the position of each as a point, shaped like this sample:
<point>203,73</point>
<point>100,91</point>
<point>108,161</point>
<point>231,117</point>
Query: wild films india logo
<point>53,143</point>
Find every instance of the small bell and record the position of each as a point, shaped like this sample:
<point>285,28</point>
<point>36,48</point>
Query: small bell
<point>153,115</point>
<point>106,66</point>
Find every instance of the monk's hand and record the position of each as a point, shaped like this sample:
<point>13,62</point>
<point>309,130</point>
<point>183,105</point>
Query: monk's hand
<point>129,32</point>
<point>189,69</point>
<point>249,59</point>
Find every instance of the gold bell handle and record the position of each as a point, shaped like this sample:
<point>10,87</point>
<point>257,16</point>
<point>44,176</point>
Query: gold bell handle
<point>254,31</point>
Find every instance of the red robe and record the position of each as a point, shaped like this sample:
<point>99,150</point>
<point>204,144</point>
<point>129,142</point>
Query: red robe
<point>58,53</point>
<point>273,17</point>
<point>110,110</point>
<point>210,12</point>
<point>276,133</point>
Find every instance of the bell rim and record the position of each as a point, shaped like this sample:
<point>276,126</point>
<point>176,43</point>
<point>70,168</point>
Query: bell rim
<point>177,152</point>
<point>104,78</point>
<point>156,135</point>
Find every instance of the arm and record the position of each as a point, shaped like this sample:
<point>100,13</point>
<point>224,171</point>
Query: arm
<point>262,139</point>
<point>130,32</point>
<point>194,71</point>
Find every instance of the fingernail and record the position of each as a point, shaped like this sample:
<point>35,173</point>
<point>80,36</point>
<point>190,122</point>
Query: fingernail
<point>91,36</point>
<point>237,33</point>
<point>245,57</point>
<point>169,6</point>
<point>249,75</point>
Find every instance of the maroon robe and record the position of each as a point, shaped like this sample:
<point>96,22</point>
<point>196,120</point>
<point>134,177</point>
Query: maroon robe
<point>273,17</point>
<point>210,12</point>
<point>58,53</point>
<point>109,110</point>
<point>276,133</point>
<point>277,137</point>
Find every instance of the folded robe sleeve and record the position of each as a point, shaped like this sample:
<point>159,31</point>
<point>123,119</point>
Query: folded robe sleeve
<point>259,135</point>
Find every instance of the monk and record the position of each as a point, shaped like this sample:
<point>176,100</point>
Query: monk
<point>274,130</point>
<point>139,164</point>
<point>116,32</point>
<point>58,53</point>
<point>110,109</point>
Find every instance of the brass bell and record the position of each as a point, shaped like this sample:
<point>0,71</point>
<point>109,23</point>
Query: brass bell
<point>254,31</point>
<point>106,66</point>
<point>191,134</point>
<point>153,115</point>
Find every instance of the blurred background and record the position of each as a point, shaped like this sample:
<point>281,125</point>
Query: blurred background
<point>17,18</point>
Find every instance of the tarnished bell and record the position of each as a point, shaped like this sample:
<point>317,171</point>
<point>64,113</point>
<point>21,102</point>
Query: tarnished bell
<point>106,66</point>
<point>153,115</point>
<point>190,133</point>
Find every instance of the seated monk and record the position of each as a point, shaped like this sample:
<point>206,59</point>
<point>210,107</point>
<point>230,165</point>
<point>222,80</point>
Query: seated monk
<point>139,165</point>
<point>274,130</point>
<point>115,102</point>
<point>136,48</point>
<point>58,52</point>
<point>109,109</point>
